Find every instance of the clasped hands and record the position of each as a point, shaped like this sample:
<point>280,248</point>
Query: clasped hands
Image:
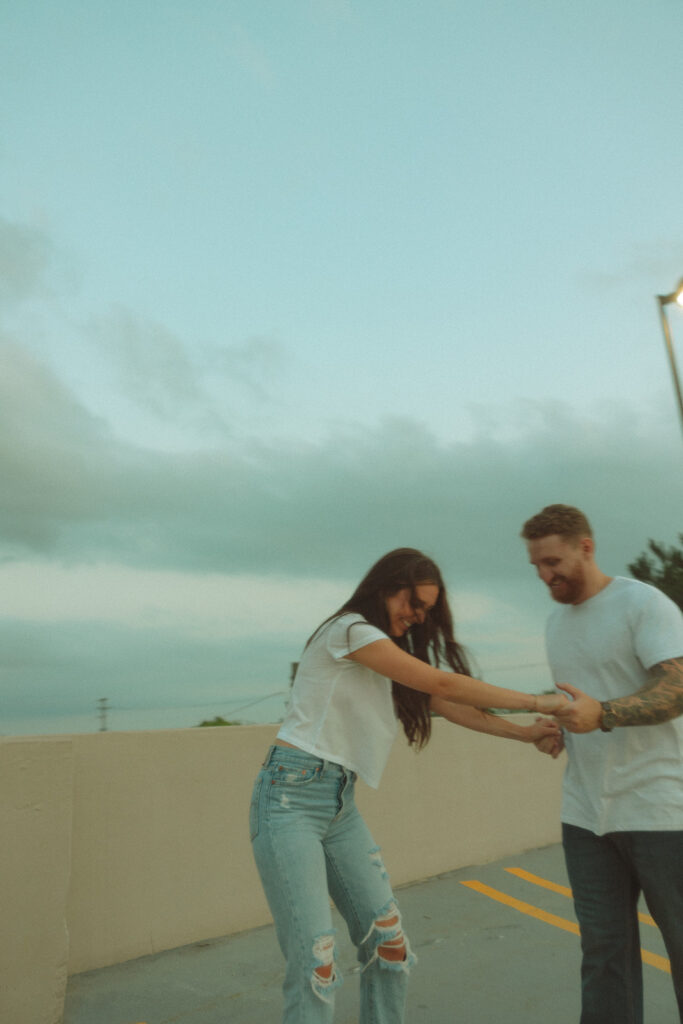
<point>580,714</point>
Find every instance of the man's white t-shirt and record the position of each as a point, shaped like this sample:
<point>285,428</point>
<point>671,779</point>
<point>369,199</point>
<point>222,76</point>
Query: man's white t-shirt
<point>339,710</point>
<point>630,779</point>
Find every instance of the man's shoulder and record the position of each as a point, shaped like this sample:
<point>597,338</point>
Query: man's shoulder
<point>623,597</point>
<point>639,593</point>
<point>624,587</point>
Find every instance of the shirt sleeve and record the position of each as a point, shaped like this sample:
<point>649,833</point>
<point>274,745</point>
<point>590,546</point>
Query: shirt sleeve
<point>658,629</point>
<point>349,633</point>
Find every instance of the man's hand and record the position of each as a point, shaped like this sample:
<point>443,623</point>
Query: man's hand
<point>550,703</point>
<point>581,714</point>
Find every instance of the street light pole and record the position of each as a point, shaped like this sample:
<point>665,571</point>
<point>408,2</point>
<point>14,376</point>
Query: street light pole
<point>662,302</point>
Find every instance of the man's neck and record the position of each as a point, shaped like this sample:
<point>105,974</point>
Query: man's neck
<point>595,582</point>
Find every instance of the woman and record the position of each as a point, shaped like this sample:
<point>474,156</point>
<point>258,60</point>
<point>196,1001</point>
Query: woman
<point>375,662</point>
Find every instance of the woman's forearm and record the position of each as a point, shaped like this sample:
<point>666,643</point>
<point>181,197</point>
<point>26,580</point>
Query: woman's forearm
<point>502,726</point>
<point>459,689</point>
<point>386,658</point>
<point>478,720</point>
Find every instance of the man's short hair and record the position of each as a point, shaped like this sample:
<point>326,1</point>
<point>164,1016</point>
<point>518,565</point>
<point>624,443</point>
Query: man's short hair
<point>564,520</point>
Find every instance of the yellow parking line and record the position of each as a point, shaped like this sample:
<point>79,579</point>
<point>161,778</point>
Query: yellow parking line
<point>660,962</point>
<point>562,889</point>
<point>525,908</point>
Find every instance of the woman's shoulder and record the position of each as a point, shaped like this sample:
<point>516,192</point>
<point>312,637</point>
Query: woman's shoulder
<point>344,633</point>
<point>356,622</point>
<point>351,618</point>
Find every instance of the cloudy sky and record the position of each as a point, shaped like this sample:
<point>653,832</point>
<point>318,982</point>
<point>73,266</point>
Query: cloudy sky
<point>285,285</point>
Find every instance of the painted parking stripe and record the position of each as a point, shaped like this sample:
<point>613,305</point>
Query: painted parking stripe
<point>660,962</point>
<point>562,889</point>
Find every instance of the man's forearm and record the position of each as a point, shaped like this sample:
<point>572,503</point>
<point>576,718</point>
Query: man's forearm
<point>660,700</point>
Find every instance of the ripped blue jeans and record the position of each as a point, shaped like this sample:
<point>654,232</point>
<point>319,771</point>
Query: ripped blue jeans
<point>310,843</point>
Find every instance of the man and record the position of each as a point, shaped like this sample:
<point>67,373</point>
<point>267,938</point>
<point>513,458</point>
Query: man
<point>620,642</point>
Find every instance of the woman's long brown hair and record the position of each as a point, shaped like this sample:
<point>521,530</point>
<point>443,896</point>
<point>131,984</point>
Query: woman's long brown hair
<point>431,641</point>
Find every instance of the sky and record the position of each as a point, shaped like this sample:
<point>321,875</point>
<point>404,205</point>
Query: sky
<point>286,285</point>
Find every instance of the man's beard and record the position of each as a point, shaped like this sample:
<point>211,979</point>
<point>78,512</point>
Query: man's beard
<point>570,588</point>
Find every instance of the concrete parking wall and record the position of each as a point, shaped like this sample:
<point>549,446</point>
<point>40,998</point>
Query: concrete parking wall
<point>36,786</point>
<point>117,845</point>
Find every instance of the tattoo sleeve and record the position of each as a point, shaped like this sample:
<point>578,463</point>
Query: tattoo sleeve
<point>660,700</point>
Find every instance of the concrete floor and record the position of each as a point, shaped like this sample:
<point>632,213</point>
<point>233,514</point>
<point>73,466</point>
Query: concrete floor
<point>480,961</point>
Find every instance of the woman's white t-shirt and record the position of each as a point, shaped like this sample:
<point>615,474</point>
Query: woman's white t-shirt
<point>339,710</point>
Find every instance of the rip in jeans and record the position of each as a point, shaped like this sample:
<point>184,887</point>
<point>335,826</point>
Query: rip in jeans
<point>392,950</point>
<point>325,977</point>
<point>376,859</point>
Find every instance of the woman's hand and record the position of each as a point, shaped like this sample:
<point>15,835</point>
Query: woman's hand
<point>544,730</point>
<point>552,745</point>
<point>549,703</point>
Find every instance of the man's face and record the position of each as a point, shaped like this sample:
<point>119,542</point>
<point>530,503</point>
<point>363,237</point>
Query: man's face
<point>561,565</point>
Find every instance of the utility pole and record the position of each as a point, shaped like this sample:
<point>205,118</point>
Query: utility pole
<point>102,711</point>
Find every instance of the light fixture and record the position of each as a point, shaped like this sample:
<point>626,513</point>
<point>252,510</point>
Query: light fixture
<point>663,301</point>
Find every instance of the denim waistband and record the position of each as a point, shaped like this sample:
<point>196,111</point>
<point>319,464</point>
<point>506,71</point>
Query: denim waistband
<point>302,759</point>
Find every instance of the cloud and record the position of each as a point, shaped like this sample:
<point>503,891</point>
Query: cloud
<point>168,579</point>
<point>256,363</point>
<point>174,392</point>
<point>326,510</point>
<point>51,452</point>
<point>25,254</point>
<point>152,364</point>
<point>207,606</point>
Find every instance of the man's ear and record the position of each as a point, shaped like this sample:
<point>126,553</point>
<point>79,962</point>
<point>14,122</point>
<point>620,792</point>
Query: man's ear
<point>587,545</point>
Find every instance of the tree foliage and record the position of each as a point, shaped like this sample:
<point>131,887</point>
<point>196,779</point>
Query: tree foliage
<point>664,570</point>
<point>215,721</point>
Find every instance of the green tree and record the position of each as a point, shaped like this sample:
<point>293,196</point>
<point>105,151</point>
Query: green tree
<point>216,721</point>
<point>665,570</point>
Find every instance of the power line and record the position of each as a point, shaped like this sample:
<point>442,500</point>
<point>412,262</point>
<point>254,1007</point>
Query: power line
<point>528,664</point>
<point>278,693</point>
<point>190,707</point>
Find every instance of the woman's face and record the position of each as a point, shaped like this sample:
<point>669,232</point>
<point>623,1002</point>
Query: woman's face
<point>406,607</point>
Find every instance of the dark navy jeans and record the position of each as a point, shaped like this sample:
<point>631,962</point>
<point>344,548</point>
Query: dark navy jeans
<point>607,875</point>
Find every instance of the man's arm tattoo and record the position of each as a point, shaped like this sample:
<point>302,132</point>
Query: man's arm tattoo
<point>660,700</point>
